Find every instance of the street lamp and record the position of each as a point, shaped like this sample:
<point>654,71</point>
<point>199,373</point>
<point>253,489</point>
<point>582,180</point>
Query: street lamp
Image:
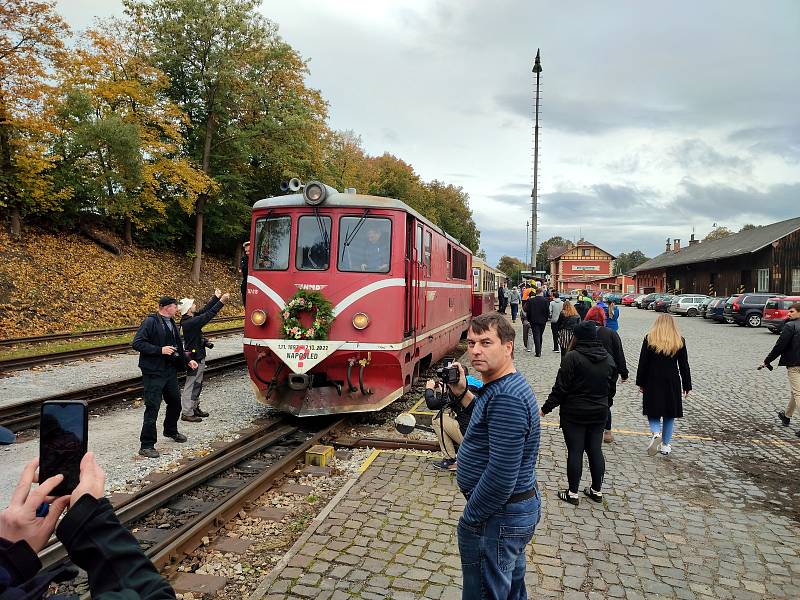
<point>527,247</point>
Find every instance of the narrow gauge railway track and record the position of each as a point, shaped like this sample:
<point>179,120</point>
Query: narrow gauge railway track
<point>233,477</point>
<point>15,364</point>
<point>53,337</point>
<point>25,415</point>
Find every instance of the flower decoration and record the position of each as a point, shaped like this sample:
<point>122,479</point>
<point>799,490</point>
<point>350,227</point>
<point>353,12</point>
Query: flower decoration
<point>311,302</point>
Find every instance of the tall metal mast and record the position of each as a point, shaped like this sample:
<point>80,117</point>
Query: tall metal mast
<point>537,68</point>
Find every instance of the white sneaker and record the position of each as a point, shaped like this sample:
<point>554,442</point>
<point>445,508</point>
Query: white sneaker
<point>528,350</point>
<point>652,449</point>
<point>665,449</point>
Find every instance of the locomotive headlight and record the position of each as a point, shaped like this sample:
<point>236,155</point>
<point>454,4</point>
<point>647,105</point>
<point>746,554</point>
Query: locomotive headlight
<point>315,193</point>
<point>258,317</point>
<point>360,320</point>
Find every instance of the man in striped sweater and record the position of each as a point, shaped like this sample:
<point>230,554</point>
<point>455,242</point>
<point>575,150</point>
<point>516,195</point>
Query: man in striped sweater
<point>496,467</point>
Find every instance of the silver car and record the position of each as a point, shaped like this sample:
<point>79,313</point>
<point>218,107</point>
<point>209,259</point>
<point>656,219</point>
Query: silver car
<point>688,305</point>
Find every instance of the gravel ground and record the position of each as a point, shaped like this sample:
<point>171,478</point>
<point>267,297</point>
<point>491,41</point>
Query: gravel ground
<point>114,437</point>
<point>47,380</point>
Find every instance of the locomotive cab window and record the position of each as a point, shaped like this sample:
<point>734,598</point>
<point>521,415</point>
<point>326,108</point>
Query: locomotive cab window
<point>272,244</point>
<point>313,251</point>
<point>365,244</point>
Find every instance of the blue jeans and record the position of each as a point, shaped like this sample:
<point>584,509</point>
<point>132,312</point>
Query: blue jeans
<point>655,427</point>
<point>493,553</point>
<point>514,311</point>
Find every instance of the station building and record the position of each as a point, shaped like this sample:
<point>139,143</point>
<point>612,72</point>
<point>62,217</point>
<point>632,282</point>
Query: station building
<point>584,266</point>
<point>764,259</point>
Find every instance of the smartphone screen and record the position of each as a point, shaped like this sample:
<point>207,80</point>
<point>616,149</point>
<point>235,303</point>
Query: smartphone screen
<point>63,437</point>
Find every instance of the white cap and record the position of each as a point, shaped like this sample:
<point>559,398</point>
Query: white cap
<point>184,305</point>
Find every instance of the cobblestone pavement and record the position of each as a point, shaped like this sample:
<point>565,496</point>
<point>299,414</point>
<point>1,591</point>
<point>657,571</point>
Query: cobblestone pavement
<point>719,518</point>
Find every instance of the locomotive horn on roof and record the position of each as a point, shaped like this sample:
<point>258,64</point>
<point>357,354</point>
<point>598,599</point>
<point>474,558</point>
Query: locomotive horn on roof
<point>293,185</point>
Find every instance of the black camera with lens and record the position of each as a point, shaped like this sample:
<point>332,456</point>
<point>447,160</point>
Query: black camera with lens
<point>449,374</point>
<point>174,358</point>
<point>207,343</point>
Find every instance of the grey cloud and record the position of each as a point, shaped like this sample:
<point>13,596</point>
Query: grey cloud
<point>782,141</point>
<point>590,115</point>
<point>723,203</point>
<point>693,153</point>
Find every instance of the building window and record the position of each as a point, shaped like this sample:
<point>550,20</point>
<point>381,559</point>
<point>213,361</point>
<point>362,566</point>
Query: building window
<point>586,251</point>
<point>796,279</point>
<point>763,280</point>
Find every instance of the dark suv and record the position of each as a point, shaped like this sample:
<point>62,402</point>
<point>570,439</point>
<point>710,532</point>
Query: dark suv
<point>748,309</point>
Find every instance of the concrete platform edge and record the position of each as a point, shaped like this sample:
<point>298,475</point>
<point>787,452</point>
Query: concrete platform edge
<point>263,587</point>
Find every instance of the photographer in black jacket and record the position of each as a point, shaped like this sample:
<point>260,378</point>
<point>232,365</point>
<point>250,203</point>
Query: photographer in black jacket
<point>192,323</point>
<point>452,420</point>
<point>92,535</point>
<point>161,354</point>
<point>788,348</point>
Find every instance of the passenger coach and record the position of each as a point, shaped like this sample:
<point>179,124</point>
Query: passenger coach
<point>399,291</point>
<point>485,282</point>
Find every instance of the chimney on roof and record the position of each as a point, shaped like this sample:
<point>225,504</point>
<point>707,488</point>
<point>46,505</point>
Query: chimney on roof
<point>693,241</point>
<point>676,245</point>
<point>667,249</point>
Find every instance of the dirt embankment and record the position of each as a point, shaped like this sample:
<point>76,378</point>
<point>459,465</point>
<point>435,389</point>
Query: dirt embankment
<point>64,282</point>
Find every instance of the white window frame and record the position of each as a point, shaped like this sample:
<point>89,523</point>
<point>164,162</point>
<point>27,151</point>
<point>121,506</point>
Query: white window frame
<point>762,277</point>
<point>795,280</point>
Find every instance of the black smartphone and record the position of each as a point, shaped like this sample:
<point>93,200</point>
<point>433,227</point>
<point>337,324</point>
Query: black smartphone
<point>63,440</point>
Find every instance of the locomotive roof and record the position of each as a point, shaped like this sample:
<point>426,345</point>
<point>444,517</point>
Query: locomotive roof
<point>355,201</point>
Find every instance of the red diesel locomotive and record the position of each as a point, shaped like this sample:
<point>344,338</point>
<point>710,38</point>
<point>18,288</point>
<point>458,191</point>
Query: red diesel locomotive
<point>400,289</point>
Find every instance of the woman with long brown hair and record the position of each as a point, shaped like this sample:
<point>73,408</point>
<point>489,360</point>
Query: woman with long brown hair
<point>567,321</point>
<point>662,375</point>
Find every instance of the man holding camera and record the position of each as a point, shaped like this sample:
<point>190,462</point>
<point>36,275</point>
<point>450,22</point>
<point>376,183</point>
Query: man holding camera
<point>496,466</point>
<point>192,322</point>
<point>161,354</point>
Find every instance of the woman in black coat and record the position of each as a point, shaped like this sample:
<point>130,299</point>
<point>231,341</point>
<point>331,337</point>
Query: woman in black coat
<point>583,386</point>
<point>662,375</point>
<point>613,345</point>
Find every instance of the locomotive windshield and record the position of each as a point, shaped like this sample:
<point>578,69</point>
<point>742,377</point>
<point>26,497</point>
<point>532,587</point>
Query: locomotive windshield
<point>365,244</point>
<point>272,244</point>
<point>313,243</point>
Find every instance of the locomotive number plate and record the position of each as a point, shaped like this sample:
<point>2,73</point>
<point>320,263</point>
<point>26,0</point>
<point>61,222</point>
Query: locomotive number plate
<point>302,355</point>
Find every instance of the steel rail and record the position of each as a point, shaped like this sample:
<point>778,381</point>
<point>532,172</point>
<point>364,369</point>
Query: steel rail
<point>16,364</point>
<point>188,537</point>
<point>40,339</point>
<point>184,480</point>
<point>25,415</point>
<point>383,443</point>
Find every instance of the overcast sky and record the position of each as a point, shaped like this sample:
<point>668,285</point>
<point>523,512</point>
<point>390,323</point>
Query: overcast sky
<point>656,118</point>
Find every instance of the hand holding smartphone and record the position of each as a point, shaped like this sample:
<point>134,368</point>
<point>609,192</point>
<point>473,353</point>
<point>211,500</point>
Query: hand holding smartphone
<point>63,441</point>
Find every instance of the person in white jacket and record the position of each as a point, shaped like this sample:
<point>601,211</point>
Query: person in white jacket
<point>556,304</point>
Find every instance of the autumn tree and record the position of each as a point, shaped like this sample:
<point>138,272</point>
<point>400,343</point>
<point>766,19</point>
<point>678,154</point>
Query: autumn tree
<point>542,264</point>
<point>30,46</point>
<point>717,233</point>
<point>626,261</point>
<point>511,266</point>
<point>121,138</point>
<point>346,164</point>
<point>449,208</point>
<point>747,227</point>
<point>251,118</point>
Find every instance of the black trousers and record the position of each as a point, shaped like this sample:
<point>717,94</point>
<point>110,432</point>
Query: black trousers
<point>580,439</point>
<point>156,387</point>
<point>554,331</point>
<point>538,330</point>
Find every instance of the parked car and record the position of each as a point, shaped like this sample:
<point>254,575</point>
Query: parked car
<point>775,312</point>
<point>652,304</point>
<point>645,302</point>
<point>627,299</point>
<point>661,304</point>
<point>688,305</point>
<point>637,302</point>
<point>747,310</point>
<point>612,297</point>
<point>713,301</point>
<point>704,305</point>
<point>717,310</point>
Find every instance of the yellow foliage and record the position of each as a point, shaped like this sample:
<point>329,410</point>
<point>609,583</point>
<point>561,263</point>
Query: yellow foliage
<point>64,282</point>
